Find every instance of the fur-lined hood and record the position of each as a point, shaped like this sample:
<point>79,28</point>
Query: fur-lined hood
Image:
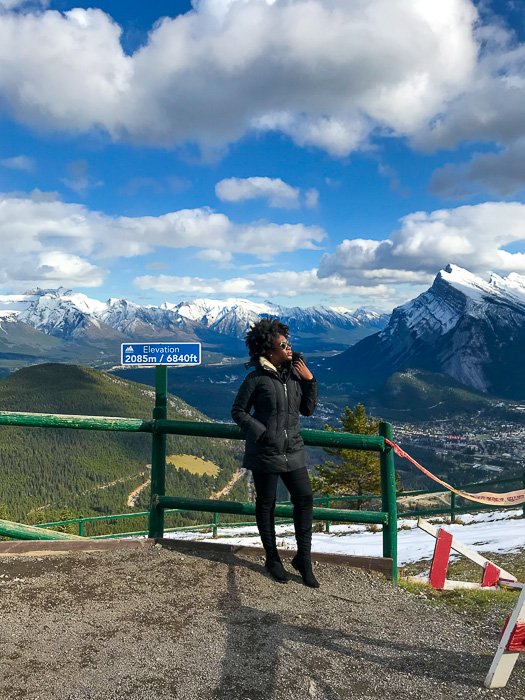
<point>265,364</point>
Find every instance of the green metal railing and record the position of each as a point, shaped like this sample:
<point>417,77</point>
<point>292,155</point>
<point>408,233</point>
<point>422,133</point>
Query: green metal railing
<point>212,526</point>
<point>160,427</point>
<point>326,501</point>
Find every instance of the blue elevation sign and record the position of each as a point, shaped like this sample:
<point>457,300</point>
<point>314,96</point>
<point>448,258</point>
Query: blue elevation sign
<point>160,353</point>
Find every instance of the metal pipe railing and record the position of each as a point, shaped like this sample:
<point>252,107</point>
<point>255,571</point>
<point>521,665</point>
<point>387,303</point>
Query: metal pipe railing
<point>57,420</point>
<point>281,509</point>
<point>160,427</point>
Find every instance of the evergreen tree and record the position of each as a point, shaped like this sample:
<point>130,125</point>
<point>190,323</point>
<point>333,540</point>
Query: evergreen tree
<point>53,515</point>
<point>351,472</point>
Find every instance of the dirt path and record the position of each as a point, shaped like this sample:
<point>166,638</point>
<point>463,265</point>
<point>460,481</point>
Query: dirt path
<point>194,625</point>
<point>133,496</point>
<point>231,483</point>
<point>109,484</point>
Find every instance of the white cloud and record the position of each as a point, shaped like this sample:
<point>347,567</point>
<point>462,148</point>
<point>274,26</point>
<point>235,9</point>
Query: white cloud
<point>64,71</point>
<point>78,240</point>
<point>489,110</point>
<point>474,237</point>
<point>278,193</point>
<point>311,198</point>
<point>279,284</point>
<point>327,73</point>
<point>500,173</point>
<point>24,163</point>
<point>168,284</point>
<point>58,268</point>
<point>218,256</point>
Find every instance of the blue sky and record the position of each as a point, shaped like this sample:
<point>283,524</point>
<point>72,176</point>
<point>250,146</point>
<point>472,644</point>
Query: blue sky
<point>301,151</point>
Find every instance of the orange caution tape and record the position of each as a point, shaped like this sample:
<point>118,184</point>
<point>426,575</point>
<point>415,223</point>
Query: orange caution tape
<point>512,498</point>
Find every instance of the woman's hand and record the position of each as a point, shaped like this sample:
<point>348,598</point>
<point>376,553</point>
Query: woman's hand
<point>302,370</point>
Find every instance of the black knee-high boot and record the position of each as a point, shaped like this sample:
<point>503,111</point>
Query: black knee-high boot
<point>264,515</point>
<point>302,518</point>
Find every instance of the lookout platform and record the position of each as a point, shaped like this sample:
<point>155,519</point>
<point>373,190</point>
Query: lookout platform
<point>139,621</point>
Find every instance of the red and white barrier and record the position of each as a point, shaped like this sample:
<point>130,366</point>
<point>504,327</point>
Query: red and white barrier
<point>512,639</point>
<point>511,644</point>
<point>493,575</point>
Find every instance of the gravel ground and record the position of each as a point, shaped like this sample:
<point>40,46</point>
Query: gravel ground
<point>134,624</point>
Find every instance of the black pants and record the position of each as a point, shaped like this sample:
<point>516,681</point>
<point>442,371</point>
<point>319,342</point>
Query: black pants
<point>298,484</point>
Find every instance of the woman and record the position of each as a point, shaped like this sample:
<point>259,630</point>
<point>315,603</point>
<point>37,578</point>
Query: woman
<point>279,389</point>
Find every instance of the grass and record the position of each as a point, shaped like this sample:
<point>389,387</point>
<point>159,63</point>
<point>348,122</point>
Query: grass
<point>193,464</point>
<point>475,603</point>
<point>490,606</point>
<point>462,569</point>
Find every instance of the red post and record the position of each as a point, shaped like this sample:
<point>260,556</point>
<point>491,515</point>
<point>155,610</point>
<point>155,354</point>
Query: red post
<point>438,570</point>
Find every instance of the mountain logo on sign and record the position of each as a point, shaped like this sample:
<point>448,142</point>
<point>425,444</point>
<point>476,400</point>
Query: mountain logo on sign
<point>129,348</point>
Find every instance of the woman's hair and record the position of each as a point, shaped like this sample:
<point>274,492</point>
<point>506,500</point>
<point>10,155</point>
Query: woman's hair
<point>261,337</point>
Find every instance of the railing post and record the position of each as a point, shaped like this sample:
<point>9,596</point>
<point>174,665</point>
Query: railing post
<point>81,528</point>
<point>214,525</point>
<point>327,522</point>
<point>388,498</point>
<point>158,453</point>
<point>453,505</point>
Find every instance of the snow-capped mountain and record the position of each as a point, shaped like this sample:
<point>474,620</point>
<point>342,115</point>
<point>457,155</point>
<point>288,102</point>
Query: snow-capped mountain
<point>72,316</point>
<point>235,316</point>
<point>231,317</point>
<point>463,326</point>
<point>63,314</point>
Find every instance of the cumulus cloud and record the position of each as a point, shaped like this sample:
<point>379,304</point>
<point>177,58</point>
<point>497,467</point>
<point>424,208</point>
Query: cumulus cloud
<point>278,193</point>
<point>270,285</point>
<point>169,284</point>
<point>489,110</point>
<point>24,163</point>
<point>326,73</point>
<point>500,173</point>
<point>48,237</point>
<point>63,71</point>
<point>280,283</point>
<point>58,268</point>
<point>475,237</point>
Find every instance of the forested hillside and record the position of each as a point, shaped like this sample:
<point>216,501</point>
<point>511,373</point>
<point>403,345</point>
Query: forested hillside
<point>92,472</point>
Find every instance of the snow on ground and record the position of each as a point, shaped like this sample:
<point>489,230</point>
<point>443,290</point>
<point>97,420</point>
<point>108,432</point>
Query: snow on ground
<point>495,531</point>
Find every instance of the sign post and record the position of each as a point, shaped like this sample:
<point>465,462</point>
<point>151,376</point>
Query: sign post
<point>158,453</point>
<point>160,355</point>
<point>170,354</point>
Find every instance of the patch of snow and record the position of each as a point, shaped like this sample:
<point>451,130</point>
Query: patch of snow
<point>470,285</point>
<point>8,315</point>
<point>494,531</point>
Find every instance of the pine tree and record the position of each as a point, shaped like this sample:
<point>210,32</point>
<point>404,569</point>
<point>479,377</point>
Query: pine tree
<point>351,472</point>
<point>52,515</point>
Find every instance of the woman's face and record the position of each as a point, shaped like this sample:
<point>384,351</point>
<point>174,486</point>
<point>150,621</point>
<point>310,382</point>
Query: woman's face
<point>281,352</point>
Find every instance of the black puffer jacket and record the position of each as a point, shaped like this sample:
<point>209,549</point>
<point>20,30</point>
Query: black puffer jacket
<point>273,440</point>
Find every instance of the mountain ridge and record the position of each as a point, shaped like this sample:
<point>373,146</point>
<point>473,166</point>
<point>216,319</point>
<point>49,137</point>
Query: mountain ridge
<point>219,325</point>
<point>462,326</point>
